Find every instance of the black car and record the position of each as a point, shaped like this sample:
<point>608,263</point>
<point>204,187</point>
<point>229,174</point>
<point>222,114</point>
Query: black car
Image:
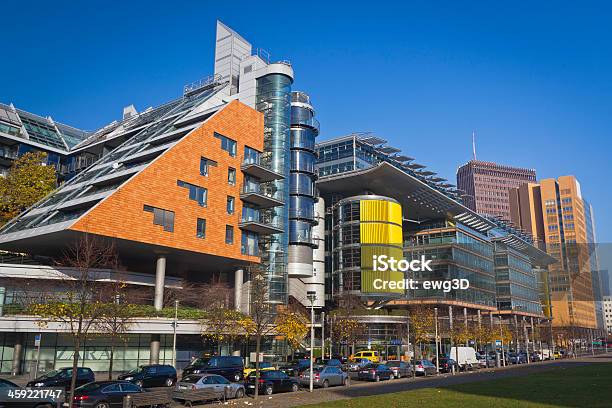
<point>154,375</point>
<point>103,394</point>
<point>375,372</point>
<point>296,367</point>
<point>230,367</point>
<point>6,386</point>
<point>61,378</point>
<point>271,382</point>
<point>446,364</point>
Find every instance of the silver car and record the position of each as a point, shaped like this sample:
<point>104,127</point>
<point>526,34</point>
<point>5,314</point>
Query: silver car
<point>358,364</point>
<point>214,382</point>
<point>324,377</point>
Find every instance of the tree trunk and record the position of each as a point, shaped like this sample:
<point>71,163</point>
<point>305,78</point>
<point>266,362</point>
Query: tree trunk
<point>112,353</point>
<point>75,365</point>
<point>257,351</point>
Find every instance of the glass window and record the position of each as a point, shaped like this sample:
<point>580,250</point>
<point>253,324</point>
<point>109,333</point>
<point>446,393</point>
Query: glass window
<point>229,234</point>
<point>162,217</point>
<point>230,204</point>
<point>205,164</point>
<point>227,144</point>
<point>196,193</point>
<point>250,243</point>
<point>231,176</point>
<point>251,156</point>
<point>112,388</point>
<point>201,228</point>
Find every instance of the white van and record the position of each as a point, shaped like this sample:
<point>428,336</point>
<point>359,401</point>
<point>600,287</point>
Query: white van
<point>465,356</point>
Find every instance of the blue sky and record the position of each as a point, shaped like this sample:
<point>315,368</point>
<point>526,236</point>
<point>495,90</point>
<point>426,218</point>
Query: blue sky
<point>533,81</point>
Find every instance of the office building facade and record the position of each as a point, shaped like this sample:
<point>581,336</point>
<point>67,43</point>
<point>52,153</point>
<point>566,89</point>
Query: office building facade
<point>485,186</point>
<point>380,202</point>
<point>556,214</point>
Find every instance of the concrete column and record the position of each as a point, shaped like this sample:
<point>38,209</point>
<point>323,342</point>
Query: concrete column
<point>17,351</point>
<point>526,333</point>
<point>516,335</point>
<point>154,349</point>
<point>160,280</point>
<point>238,282</point>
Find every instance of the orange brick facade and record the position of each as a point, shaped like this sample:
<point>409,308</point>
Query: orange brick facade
<point>121,215</point>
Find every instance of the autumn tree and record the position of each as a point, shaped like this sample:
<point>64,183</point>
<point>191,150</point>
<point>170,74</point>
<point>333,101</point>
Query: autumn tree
<point>484,334</point>
<point>293,327</point>
<point>79,307</point>
<point>28,180</point>
<point>347,329</point>
<point>421,325</point>
<point>223,325</point>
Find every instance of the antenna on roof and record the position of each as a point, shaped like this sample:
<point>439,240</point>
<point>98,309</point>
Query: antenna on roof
<point>474,144</point>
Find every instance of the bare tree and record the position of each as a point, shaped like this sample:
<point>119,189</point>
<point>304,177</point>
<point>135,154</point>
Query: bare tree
<point>79,307</point>
<point>262,313</point>
<point>117,317</point>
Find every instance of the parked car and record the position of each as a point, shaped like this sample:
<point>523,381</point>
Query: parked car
<point>230,367</point>
<point>153,375</point>
<point>296,367</point>
<point>62,377</point>
<point>373,356</point>
<point>535,357</point>
<point>358,364</point>
<point>445,364</point>
<point>103,394</point>
<point>423,367</point>
<point>400,369</point>
<point>517,358</point>
<point>221,385</point>
<point>324,376</point>
<point>263,366</point>
<point>8,385</point>
<point>332,362</point>
<point>375,372</point>
<point>271,382</point>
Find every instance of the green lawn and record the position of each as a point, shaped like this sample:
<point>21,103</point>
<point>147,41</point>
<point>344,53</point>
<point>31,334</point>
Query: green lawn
<point>586,386</point>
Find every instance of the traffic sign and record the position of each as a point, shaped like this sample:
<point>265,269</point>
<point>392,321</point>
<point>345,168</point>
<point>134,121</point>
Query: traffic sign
<point>498,343</point>
<point>37,338</point>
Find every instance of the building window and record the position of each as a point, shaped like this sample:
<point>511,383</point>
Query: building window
<point>229,234</point>
<point>231,176</point>
<point>196,193</point>
<point>251,156</point>
<point>227,144</point>
<point>205,164</point>
<point>249,245</point>
<point>201,228</point>
<point>162,217</point>
<point>230,204</point>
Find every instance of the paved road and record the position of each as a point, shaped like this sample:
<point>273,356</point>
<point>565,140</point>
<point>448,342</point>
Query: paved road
<point>362,389</point>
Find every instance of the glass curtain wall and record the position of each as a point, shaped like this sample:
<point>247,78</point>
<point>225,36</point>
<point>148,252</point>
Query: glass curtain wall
<point>274,101</point>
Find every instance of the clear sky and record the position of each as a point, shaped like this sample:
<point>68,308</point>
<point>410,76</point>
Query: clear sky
<point>533,81</point>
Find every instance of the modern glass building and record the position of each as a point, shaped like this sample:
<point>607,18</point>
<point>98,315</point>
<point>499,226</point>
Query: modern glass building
<point>304,130</point>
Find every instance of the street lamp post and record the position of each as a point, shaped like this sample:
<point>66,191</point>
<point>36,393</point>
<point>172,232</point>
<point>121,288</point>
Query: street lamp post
<point>437,350</point>
<point>311,295</point>
<point>174,324</point>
